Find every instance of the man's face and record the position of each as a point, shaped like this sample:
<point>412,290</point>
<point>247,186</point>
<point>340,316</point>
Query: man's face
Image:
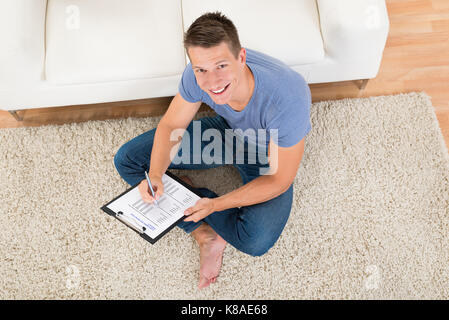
<point>216,69</point>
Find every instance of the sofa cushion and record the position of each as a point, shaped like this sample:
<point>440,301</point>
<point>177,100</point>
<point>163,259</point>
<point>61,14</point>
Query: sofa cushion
<point>109,40</point>
<point>285,29</point>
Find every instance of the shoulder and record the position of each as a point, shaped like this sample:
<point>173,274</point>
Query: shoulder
<point>268,68</point>
<point>277,79</point>
<point>188,87</point>
<point>292,85</point>
<point>292,97</point>
<point>188,73</point>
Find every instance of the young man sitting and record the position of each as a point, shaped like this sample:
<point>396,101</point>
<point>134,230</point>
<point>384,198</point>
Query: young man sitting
<point>250,92</point>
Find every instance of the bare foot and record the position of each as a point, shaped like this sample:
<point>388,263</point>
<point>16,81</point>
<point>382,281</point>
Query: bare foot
<point>211,253</point>
<point>211,249</point>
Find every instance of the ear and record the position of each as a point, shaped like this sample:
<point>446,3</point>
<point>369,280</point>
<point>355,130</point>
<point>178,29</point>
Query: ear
<point>187,51</point>
<point>242,56</point>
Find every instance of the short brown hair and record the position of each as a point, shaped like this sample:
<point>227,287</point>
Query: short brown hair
<point>210,30</point>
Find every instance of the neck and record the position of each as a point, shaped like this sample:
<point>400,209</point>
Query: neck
<point>247,89</point>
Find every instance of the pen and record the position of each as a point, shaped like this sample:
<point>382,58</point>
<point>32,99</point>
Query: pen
<point>151,187</point>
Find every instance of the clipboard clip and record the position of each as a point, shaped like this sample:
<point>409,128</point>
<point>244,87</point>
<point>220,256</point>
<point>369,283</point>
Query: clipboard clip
<point>139,229</point>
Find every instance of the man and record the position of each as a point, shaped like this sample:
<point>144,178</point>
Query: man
<point>248,90</point>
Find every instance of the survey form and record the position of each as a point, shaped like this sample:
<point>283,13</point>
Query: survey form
<point>152,219</point>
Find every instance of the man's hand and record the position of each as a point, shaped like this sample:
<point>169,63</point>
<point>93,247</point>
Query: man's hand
<point>201,209</point>
<point>145,191</point>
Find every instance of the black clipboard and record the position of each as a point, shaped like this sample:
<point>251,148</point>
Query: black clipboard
<point>117,215</point>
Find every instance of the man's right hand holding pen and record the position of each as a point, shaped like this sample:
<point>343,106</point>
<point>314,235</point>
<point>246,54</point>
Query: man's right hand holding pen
<point>158,188</point>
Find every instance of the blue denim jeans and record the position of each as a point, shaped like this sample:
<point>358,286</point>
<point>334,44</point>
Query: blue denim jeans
<point>252,229</point>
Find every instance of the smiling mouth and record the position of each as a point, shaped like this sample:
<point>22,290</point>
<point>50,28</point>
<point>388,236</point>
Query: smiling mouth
<point>220,92</point>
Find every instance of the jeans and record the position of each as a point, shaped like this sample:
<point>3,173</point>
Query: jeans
<point>252,229</point>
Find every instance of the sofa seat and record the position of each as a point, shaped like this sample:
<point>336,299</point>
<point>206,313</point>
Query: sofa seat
<point>112,40</point>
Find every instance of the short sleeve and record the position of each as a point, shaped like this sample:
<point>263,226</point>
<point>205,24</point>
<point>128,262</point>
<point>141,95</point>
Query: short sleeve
<point>290,116</point>
<point>188,87</point>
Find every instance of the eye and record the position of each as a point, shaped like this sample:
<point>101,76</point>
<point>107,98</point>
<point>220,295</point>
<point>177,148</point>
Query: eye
<point>199,70</point>
<point>222,65</point>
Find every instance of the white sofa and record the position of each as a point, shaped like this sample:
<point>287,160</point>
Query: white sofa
<point>72,52</point>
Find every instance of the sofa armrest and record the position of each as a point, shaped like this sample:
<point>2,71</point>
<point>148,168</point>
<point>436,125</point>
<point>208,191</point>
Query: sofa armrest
<point>354,30</point>
<point>22,34</point>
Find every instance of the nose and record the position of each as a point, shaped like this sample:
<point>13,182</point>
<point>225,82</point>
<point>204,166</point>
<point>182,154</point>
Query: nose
<point>211,81</point>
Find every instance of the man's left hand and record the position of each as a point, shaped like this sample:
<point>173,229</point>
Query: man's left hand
<point>201,209</point>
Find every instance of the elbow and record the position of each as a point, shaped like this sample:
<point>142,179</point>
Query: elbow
<point>282,183</point>
<point>286,187</point>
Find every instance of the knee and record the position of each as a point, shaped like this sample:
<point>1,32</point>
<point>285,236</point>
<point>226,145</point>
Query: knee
<point>259,245</point>
<point>124,159</point>
<point>260,231</point>
<point>119,157</point>
<point>258,251</point>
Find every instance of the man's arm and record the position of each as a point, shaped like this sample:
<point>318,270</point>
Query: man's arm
<point>266,187</point>
<point>178,116</point>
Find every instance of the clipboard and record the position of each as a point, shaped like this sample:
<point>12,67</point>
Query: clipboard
<point>134,223</point>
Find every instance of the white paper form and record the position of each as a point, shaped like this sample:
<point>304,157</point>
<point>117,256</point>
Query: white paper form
<point>155,218</point>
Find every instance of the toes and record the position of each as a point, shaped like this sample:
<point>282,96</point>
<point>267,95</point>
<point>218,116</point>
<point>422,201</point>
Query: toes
<point>204,282</point>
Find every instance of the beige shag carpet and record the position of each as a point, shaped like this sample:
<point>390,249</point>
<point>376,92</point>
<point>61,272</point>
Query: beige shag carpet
<point>370,216</point>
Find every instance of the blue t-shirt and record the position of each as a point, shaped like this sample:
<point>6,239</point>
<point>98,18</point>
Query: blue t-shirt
<point>281,100</point>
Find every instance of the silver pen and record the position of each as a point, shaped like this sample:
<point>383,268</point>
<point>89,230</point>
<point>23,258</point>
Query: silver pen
<point>151,188</point>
